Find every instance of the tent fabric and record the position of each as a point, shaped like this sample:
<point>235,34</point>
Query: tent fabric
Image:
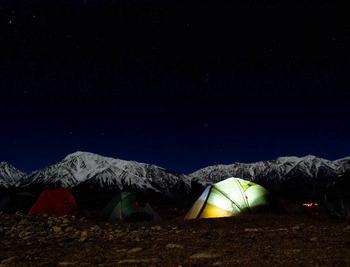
<point>12,202</point>
<point>129,207</point>
<point>229,197</point>
<point>337,198</point>
<point>55,202</point>
<point>5,203</point>
<point>338,207</point>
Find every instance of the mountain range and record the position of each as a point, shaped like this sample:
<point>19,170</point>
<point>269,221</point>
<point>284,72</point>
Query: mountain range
<point>288,176</point>
<point>9,175</point>
<point>88,170</point>
<point>285,175</point>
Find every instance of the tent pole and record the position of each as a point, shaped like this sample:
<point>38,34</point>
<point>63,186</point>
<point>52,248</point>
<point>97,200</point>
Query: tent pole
<point>121,205</point>
<point>204,203</point>
<point>228,198</point>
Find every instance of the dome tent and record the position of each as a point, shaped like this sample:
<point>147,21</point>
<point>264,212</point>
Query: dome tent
<point>128,206</point>
<point>16,201</point>
<point>5,201</point>
<point>337,197</point>
<point>55,202</point>
<point>230,197</point>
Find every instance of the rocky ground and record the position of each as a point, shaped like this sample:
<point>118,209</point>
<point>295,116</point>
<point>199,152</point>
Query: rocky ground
<point>252,240</point>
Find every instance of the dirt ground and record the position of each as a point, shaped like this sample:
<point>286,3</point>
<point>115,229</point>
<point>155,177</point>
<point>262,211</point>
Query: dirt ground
<point>305,239</point>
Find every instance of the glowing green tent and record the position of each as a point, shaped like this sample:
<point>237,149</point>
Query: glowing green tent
<point>128,206</point>
<point>230,197</point>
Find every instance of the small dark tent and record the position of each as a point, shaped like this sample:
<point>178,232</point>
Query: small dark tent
<point>129,207</point>
<point>55,202</point>
<point>5,201</point>
<point>20,201</point>
<point>337,197</point>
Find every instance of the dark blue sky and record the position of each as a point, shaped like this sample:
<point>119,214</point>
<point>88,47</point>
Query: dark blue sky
<point>176,84</point>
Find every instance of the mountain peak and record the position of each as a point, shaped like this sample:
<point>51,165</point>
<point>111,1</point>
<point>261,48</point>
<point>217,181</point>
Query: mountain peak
<point>4,163</point>
<point>92,157</point>
<point>95,171</point>
<point>9,175</point>
<point>288,159</point>
<point>295,158</point>
<point>80,154</point>
<point>311,157</point>
<point>310,167</point>
<point>343,159</point>
<point>8,166</point>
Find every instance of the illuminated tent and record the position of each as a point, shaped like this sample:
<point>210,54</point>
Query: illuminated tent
<point>129,207</point>
<point>230,197</point>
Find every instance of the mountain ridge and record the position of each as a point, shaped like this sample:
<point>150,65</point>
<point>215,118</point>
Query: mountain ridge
<point>9,175</point>
<point>308,175</point>
<point>85,169</point>
<point>105,173</point>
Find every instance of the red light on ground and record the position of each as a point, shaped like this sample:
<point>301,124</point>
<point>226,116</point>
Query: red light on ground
<point>310,205</point>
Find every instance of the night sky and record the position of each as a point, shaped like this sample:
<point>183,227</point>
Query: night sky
<point>178,84</point>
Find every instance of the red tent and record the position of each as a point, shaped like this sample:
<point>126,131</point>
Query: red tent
<point>55,202</point>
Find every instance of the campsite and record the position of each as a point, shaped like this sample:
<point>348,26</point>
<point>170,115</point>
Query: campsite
<point>232,222</point>
<point>174,133</point>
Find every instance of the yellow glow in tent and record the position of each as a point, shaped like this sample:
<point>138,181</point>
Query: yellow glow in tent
<point>227,198</point>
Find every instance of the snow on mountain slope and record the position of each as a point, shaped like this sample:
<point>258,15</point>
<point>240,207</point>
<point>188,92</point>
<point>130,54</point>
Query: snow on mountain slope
<point>83,168</point>
<point>311,170</point>
<point>9,175</point>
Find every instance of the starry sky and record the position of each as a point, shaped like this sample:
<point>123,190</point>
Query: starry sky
<point>177,84</point>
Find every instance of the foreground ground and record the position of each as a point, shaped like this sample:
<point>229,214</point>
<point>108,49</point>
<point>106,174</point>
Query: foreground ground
<point>251,240</point>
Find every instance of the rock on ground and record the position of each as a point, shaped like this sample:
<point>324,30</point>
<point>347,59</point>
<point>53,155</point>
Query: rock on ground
<point>252,240</point>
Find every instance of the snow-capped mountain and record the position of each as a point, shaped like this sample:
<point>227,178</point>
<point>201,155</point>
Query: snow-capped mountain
<point>9,175</point>
<point>98,172</point>
<point>296,176</point>
<point>284,174</point>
